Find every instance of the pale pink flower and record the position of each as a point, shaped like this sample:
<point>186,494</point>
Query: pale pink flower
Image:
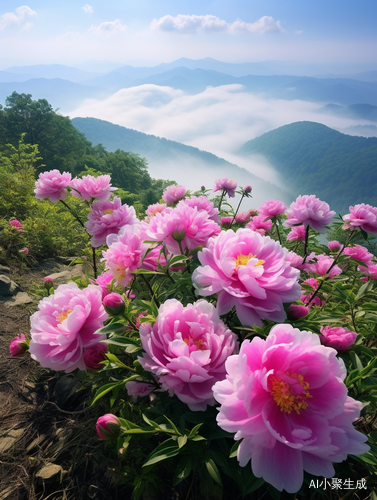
<point>18,346</point>
<point>107,217</point>
<point>370,271</point>
<point>248,271</point>
<point>107,426</point>
<point>173,193</point>
<point>152,210</point>
<point>65,325</point>
<point>285,397</point>
<point>334,245</point>
<point>15,224</point>
<point>228,184</point>
<point>360,253</point>
<point>52,185</point>
<point>272,208</point>
<point>186,350</point>
<point>260,224</point>
<point>137,389</point>
<point>94,355</point>
<point>202,203</point>
<point>337,337</point>
<point>309,211</point>
<point>297,233</point>
<point>90,187</point>
<point>185,225</point>
<point>364,216</point>
<point>242,217</point>
<point>104,280</point>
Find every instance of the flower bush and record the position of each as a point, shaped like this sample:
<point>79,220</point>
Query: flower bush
<point>222,342</point>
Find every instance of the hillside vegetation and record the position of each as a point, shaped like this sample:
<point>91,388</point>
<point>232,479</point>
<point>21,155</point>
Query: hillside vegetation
<point>314,159</point>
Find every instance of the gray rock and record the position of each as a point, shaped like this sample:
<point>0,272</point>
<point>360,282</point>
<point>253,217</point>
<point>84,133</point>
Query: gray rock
<point>18,299</point>
<point>7,442</point>
<point>50,473</point>
<point>7,286</point>
<point>4,269</point>
<point>63,277</point>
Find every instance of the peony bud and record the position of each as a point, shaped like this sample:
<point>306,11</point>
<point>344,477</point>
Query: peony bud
<point>247,189</point>
<point>337,337</point>
<point>48,282</point>
<point>114,304</point>
<point>179,235</point>
<point>108,426</point>
<point>94,355</point>
<point>297,311</point>
<point>18,346</point>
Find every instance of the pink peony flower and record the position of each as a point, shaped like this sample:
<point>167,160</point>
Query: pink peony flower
<point>94,355</point>
<point>15,224</point>
<point>272,208</point>
<point>334,245</point>
<point>309,211</point>
<point>227,184</point>
<point>286,398</point>
<point>24,250</point>
<point>321,266</point>
<point>297,233</point>
<point>18,346</point>
<point>337,337</point>
<point>107,426</point>
<point>107,217</point>
<point>152,210</point>
<point>364,216</point>
<point>185,225</point>
<point>297,311</point>
<point>52,185</point>
<point>90,187</point>
<point>370,271</point>
<point>173,193</point>
<point>307,297</point>
<point>242,217</point>
<point>297,261</point>
<point>104,280</point>
<point>260,224</point>
<point>137,389</point>
<point>114,304</point>
<point>360,253</point>
<point>201,203</point>
<point>186,349</point>
<point>66,324</point>
<point>226,221</point>
<point>248,271</point>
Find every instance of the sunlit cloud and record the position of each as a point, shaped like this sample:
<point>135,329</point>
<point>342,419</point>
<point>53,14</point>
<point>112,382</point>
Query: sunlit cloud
<point>108,28</point>
<point>212,24</point>
<point>19,18</point>
<point>88,9</point>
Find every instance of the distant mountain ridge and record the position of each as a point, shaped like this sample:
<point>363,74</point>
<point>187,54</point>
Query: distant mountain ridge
<point>315,159</point>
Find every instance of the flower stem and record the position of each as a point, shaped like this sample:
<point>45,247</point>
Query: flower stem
<point>236,212</point>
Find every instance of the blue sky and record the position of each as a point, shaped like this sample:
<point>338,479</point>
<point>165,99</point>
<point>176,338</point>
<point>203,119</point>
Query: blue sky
<point>70,32</point>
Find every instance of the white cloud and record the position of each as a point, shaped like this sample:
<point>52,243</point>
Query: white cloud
<point>298,32</point>
<point>88,9</point>
<point>212,24</point>
<point>17,18</point>
<point>108,28</point>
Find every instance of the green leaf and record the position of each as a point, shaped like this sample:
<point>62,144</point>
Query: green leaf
<point>234,450</point>
<point>183,469</point>
<point>365,288</point>
<point>182,440</point>
<point>165,450</point>
<point>213,470</point>
<point>194,431</point>
<point>104,390</point>
<point>112,328</point>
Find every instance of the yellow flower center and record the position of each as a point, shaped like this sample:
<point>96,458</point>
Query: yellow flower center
<point>108,211</point>
<point>242,260</point>
<point>290,395</point>
<point>119,273</point>
<point>197,343</point>
<point>63,315</point>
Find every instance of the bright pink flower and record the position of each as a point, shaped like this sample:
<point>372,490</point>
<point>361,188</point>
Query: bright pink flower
<point>107,217</point>
<point>296,260</point>
<point>297,311</point>
<point>94,355</point>
<point>137,389</point>
<point>364,216</point>
<point>52,185</point>
<point>297,233</point>
<point>173,193</point>
<point>18,346</point>
<point>16,225</point>
<point>226,221</point>
<point>202,203</point>
<point>114,304</point>
<point>90,187</point>
<point>307,296</point>
<point>186,349</point>
<point>322,265</point>
<point>185,225</point>
<point>309,211</point>
<point>334,245</point>
<point>24,250</point>
<point>271,208</point>
<point>65,325</point>
<point>250,272</point>
<point>360,253</point>
<point>337,337</point>
<point>228,184</point>
<point>107,426</point>
<point>286,398</point>
<point>370,271</point>
<point>260,224</point>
